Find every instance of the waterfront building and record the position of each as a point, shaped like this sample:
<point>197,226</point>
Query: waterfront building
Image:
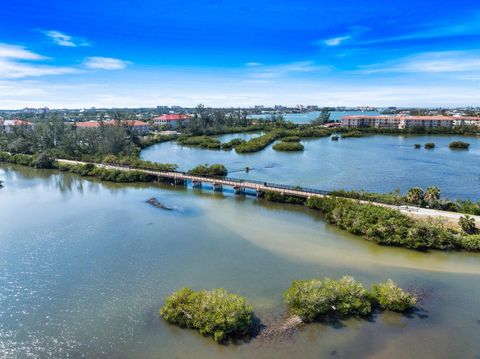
<point>170,119</point>
<point>402,121</point>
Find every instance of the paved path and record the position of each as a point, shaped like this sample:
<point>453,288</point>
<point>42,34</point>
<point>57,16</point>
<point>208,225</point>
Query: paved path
<point>450,217</point>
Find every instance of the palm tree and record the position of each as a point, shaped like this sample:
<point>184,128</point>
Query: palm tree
<point>432,196</point>
<point>415,195</point>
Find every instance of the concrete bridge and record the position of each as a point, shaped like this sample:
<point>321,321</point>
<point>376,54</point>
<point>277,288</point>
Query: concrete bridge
<point>239,186</point>
<point>260,188</point>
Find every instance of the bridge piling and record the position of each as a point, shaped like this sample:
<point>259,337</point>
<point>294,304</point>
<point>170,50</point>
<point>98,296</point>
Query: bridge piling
<point>217,187</point>
<point>238,190</point>
<point>196,184</point>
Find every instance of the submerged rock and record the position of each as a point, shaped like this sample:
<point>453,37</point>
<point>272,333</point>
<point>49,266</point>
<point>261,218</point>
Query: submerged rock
<point>280,330</point>
<point>154,202</point>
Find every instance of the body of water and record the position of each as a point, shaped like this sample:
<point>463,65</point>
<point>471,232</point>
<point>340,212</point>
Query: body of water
<point>310,116</point>
<point>374,163</point>
<point>86,265</point>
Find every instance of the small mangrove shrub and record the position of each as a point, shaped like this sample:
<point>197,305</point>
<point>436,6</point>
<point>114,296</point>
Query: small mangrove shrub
<point>288,146</point>
<point>291,139</point>
<point>388,296</point>
<point>334,138</point>
<point>429,145</point>
<point>459,145</point>
<point>217,313</point>
<point>206,170</point>
<point>312,299</point>
<point>417,146</point>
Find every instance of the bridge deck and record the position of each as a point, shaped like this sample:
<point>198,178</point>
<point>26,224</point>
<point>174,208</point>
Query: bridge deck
<point>451,217</point>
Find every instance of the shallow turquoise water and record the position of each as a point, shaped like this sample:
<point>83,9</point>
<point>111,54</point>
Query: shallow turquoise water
<point>85,266</point>
<point>374,163</point>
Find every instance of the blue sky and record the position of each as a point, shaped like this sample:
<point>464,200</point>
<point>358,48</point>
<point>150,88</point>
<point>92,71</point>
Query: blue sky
<point>239,53</point>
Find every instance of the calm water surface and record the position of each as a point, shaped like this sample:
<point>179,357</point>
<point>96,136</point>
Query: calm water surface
<point>374,163</point>
<point>85,266</point>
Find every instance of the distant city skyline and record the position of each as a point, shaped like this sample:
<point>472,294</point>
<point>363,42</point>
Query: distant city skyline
<point>229,53</point>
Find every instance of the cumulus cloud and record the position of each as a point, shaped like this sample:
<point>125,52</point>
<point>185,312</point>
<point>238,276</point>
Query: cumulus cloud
<point>105,63</point>
<point>8,51</point>
<point>17,62</point>
<point>62,39</point>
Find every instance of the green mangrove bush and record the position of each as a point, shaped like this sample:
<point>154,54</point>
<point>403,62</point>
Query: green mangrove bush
<point>288,146</point>
<point>215,313</point>
<point>312,299</point>
<point>388,296</point>
<point>206,170</point>
<point>459,145</point>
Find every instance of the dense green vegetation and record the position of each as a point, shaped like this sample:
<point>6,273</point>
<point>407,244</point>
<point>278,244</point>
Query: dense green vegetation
<point>459,145</point>
<point>417,130</point>
<point>417,146</point>
<point>206,170</point>
<point>232,143</point>
<point>278,197</point>
<point>291,139</point>
<point>353,134</point>
<point>154,139</point>
<point>41,160</point>
<point>334,138</point>
<point>315,299</point>
<point>311,299</point>
<point>258,143</point>
<point>429,145</point>
<point>288,146</point>
<point>215,313</point>
<point>135,162</point>
<point>388,296</point>
<point>387,226</point>
<point>107,174</point>
<point>415,196</point>
<point>200,141</point>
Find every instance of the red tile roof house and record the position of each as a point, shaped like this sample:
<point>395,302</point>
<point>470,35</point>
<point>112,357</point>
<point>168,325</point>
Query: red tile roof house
<point>170,119</point>
<point>140,127</point>
<point>7,126</point>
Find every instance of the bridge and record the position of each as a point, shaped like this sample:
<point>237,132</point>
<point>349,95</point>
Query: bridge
<point>260,188</point>
<point>239,185</point>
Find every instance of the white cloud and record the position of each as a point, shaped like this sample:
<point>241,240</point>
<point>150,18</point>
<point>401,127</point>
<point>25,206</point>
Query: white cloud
<point>285,69</point>
<point>62,39</point>
<point>18,52</point>
<point>430,62</point>
<point>336,40</point>
<point>16,62</point>
<point>253,64</point>
<point>105,63</point>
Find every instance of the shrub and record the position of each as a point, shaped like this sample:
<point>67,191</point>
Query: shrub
<point>311,299</point>
<point>470,243</point>
<point>417,146</point>
<point>291,139</point>
<point>201,141</point>
<point>385,226</point>
<point>353,134</point>
<point>334,138</point>
<point>388,296</point>
<point>459,145</point>
<point>467,224</point>
<point>277,197</point>
<point>288,146</point>
<point>43,161</point>
<point>258,143</point>
<point>429,145</point>
<point>215,313</point>
<point>206,170</point>
<point>233,143</point>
